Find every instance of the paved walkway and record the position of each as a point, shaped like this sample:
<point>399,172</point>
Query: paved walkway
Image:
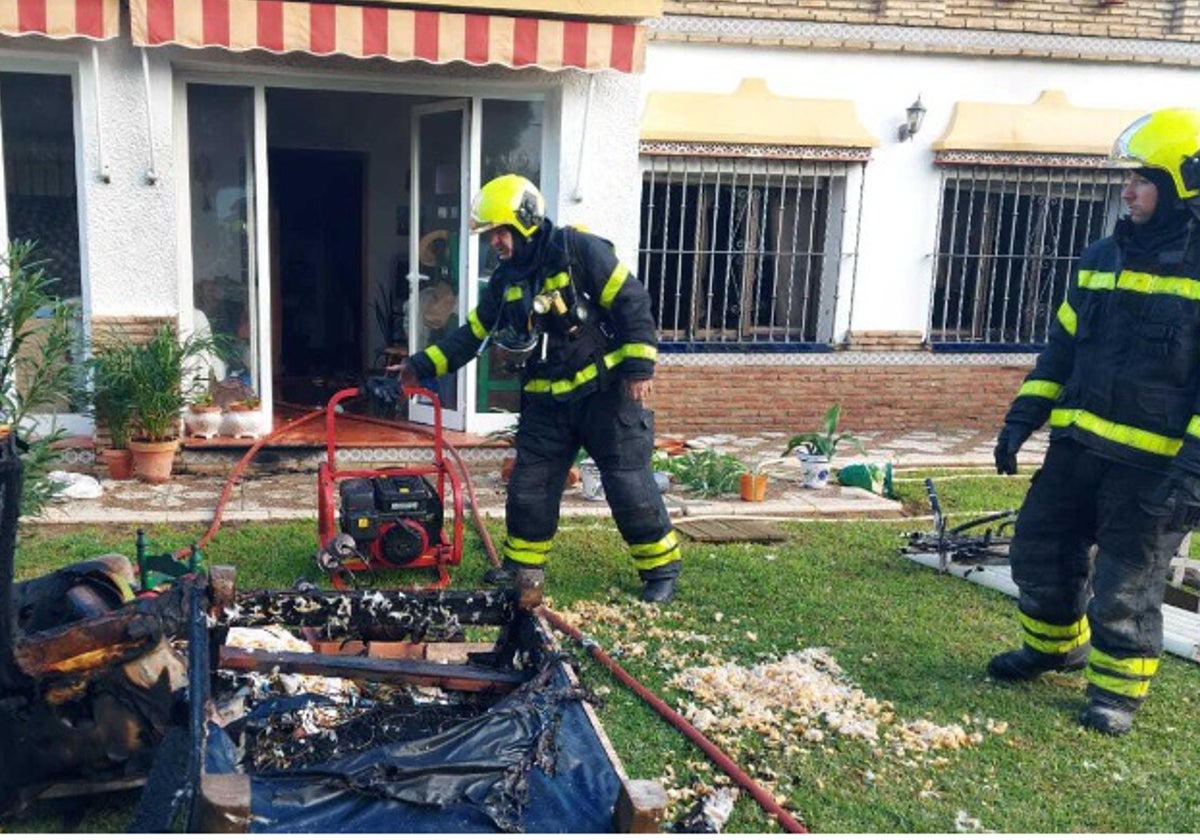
<point>268,492</point>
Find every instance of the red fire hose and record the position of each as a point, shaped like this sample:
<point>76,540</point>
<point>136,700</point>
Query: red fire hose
<point>719,758</point>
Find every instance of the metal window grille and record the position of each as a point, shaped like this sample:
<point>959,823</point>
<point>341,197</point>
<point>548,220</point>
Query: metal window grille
<point>740,252</point>
<point>1008,237</point>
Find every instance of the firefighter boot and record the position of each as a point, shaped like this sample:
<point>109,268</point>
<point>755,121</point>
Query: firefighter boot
<point>1026,663</point>
<point>660,584</point>
<point>505,574</point>
<point>1108,714</point>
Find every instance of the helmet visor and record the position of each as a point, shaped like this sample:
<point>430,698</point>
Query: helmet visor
<point>1125,153</point>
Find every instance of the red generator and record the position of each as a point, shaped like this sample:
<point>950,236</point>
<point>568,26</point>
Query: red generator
<point>388,518</point>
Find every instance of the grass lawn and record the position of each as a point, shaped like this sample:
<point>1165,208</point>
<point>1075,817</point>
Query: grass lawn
<point>911,645</point>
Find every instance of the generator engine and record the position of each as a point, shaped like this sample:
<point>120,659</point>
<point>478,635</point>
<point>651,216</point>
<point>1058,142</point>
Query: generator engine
<point>394,519</point>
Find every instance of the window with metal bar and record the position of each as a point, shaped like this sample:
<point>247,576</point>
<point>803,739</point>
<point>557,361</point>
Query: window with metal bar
<point>742,253</point>
<point>1008,237</point>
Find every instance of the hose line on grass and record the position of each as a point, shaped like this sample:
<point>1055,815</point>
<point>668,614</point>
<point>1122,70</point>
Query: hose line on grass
<point>719,758</point>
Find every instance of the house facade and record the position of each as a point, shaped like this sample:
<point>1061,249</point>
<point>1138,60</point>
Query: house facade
<point>816,256</point>
<point>296,175</point>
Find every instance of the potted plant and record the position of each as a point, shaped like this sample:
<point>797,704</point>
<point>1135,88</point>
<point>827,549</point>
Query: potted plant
<point>203,416</point>
<point>754,481</point>
<point>164,376</point>
<point>815,450</point>
<point>242,418</point>
<point>112,403</point>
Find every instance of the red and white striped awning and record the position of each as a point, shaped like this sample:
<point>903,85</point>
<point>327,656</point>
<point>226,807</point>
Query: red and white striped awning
<point>98,19</point>
<point>437,37</point>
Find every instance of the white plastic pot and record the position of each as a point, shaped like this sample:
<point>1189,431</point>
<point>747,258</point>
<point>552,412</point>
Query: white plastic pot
<point>593,487</point>
<point>814,470</point>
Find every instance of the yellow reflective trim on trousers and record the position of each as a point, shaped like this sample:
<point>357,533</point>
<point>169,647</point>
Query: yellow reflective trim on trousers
<point>648,556</point>
<point>1040,388</point>
<point>526,552</point>
<point>477,328</point>
<point>558,281</point>
<point>441,365</point>
<point>1117,685</point>
<point>668,542</point>
<point>1068,318</point>
<point>513,293</point>
<point>1100,280</point>
<point>1054,638</point>
<point>1132,667</point>
<point>1153,284</point>
<point>1130,436</point>
<point>1193,428</point>
<point>587,374</point>
<point>613,285</point>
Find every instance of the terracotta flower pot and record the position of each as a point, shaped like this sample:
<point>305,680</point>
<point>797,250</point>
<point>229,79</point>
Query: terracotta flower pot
<point>152,462</point>
<point>754,487</point>
<point>119,463</point>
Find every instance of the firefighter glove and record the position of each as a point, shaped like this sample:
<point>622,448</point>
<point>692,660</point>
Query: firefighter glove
<point>1008,444</point>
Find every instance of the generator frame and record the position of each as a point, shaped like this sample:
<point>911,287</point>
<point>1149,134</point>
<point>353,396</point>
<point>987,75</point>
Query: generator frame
<point>447,552</point>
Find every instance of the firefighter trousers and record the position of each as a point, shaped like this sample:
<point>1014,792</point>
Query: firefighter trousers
<point>1077,500</point>
<point>618,433</point>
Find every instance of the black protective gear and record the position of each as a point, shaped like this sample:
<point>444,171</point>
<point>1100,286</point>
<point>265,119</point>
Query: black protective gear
<point>1121,371</point>
<point>1180,495</point>
<point>505,574</point>
<point>1108,714</point>
<point>1026,664</point>
<point>1008,443</point>
<point>598,335</point>
<point>1078,499</point>
<point>659,585</point>
<point>619,336</point>
<point>618,433</point>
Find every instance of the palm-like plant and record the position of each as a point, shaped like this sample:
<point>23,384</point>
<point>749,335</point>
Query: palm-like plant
<point>112,389</point>
<point>827,439</point>
<point>165,375</point>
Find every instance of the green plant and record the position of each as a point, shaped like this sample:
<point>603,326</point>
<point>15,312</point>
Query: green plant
<point>826,440</point>
<point>706,472</point>
<point>164,376</point>
<point>37,363</point>
<point>112,389</point>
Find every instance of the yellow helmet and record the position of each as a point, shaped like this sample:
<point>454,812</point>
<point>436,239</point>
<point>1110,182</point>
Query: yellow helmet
<point>508,200</point>
<point>1168,140</point>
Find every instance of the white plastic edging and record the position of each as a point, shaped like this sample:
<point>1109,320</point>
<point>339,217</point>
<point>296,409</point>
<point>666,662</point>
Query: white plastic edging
<point>1181,629</point>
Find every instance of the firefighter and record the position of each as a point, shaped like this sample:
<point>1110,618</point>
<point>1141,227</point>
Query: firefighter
<point>578,324</point>
<point>1119,382</point>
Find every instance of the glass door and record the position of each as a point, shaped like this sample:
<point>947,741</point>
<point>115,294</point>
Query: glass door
<point>438,298</point>
<point>225,147</point>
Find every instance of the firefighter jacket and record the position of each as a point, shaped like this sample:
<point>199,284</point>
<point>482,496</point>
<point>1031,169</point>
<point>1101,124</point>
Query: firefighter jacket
<point>599,328</point>
<point>1121,371</point>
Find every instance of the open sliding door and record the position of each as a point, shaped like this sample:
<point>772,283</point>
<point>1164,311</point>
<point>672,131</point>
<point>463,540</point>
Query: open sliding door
<point>439,299</point>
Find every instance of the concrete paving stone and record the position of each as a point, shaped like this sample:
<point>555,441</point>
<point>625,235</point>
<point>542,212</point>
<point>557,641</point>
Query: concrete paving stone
<point>272,492</point>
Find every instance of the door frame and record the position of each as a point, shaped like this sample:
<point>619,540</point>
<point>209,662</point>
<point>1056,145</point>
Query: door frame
<point>193,70</point>
<point>419,409</point>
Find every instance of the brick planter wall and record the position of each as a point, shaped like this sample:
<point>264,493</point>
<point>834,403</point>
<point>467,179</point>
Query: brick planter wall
<point>691,400</point>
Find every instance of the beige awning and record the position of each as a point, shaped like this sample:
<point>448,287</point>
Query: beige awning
<point>752,115</point>
<point>96,19</point>
<point>382,30</point>
<point>1050,126</point>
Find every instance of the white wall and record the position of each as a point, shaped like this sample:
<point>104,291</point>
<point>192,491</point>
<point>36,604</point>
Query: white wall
<point>899,219</point>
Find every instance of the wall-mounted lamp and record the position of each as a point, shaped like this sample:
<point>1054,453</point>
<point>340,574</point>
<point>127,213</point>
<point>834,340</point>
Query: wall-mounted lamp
<point>914,115</point>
